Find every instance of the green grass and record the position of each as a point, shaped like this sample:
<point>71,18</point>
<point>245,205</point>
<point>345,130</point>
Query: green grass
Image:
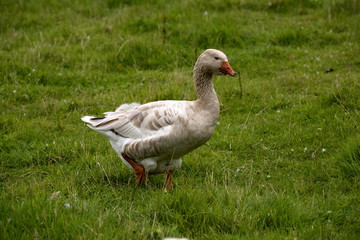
<point>284,162</point>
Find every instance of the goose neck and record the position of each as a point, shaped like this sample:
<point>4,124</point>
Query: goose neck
<point>204,84</point>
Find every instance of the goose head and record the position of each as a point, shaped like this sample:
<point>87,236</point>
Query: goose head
<point>215,62</point>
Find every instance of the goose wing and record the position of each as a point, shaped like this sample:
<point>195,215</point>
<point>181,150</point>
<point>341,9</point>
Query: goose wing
<point>139,121</point>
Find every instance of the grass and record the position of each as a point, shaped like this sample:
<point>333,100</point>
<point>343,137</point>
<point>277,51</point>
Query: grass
<point>282,164</point>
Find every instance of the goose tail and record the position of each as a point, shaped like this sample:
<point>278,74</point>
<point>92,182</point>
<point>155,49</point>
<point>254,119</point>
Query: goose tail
<point>92,121</point>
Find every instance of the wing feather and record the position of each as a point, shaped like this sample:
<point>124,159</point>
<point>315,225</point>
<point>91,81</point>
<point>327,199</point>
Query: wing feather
<point>138,121</point>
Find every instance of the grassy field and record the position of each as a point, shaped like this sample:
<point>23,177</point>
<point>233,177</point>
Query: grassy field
<point>284,162</point>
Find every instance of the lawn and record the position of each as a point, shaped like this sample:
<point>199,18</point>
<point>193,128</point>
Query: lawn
<point>283,163</point>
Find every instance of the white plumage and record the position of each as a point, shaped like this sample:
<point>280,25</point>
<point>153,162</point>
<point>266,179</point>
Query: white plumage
<point>152,138</point>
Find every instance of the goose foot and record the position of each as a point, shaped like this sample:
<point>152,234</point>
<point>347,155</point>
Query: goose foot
<point>140,176</point>
<point>168,181</point>
<point>138,169</point>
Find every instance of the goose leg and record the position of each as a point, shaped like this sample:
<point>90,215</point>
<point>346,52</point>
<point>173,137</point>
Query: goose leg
<point>138,169</point>
<point>168,182</point>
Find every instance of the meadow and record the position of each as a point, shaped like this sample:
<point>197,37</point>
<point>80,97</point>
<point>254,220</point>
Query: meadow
<point>283,163</point>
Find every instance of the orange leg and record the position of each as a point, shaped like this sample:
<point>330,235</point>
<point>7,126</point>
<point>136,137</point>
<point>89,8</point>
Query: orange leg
<point>168,182</point>
<point>138,169</point>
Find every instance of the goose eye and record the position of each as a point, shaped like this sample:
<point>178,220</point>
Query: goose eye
<point>216,58</point>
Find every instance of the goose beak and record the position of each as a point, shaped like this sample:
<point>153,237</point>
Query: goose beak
<point>226,69</point>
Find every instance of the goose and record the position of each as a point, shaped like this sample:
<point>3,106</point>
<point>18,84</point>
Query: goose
<point>151,138</point>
